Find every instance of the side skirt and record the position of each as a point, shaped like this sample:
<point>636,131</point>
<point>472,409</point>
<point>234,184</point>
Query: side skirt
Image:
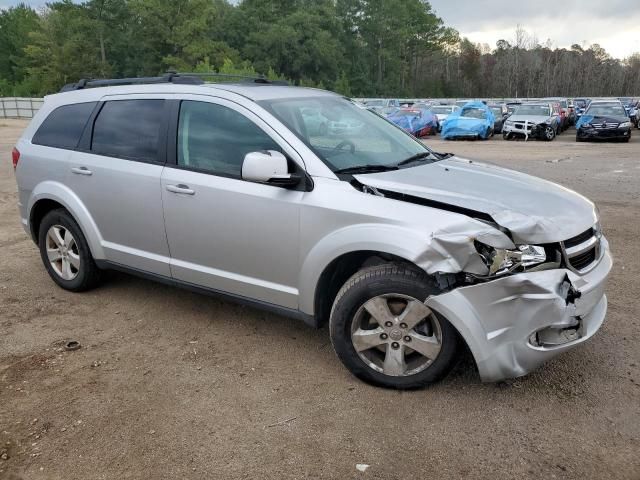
<point>230,297</point>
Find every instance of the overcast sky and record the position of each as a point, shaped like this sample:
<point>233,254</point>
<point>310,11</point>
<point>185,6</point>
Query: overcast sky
<point>614,24</point>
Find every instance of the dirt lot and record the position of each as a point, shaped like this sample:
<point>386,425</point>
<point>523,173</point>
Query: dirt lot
<point>169,384</point>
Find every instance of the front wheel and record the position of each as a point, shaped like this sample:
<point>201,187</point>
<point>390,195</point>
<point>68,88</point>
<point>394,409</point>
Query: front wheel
<point>384,333</point>
<point>549,133</point>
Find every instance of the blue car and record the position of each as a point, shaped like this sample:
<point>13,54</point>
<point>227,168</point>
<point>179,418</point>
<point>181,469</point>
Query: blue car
<point>580,105</point>
<point>473,120</point>
<point>419,122</point>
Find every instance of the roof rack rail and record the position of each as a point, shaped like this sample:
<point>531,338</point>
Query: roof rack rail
<point>170,77</point>
<point>259,79</point>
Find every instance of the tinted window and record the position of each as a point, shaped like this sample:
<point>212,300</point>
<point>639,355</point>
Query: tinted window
<point>128,129</point>
<point>63,127</point>
<point>216,138</point>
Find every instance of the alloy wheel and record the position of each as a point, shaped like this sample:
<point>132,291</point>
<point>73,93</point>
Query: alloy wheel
<point>550,133</point>
<point>396,334</point>
<point>62,252</point>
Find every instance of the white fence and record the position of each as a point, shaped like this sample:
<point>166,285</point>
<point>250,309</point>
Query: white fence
<point>19,107</point>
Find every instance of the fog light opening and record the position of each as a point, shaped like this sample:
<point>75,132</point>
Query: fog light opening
<point>554,336</point>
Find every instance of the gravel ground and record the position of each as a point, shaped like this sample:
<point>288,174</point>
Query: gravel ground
<point>170,384</point>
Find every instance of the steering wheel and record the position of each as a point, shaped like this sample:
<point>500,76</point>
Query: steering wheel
<point>345,143</point>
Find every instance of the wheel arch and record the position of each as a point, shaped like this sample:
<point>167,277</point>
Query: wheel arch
<point>342,252</point>
<point>339,270</point>
<point>49,196</point>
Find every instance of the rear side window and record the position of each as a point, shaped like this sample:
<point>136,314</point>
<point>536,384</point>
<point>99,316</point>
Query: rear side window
<point>63,127</point>
<point>128,129</point>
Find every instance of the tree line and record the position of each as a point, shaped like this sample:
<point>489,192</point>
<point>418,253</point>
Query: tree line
<point>362,48</point>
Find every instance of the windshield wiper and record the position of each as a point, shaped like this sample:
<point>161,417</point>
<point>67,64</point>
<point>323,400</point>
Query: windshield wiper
<point>366,169</point>
<point>413,158</point>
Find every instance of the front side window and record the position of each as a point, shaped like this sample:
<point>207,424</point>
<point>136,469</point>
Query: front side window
<point>342,134</point>
<point>128,129</point>
<point>63,127</point>
<point>215,139</point>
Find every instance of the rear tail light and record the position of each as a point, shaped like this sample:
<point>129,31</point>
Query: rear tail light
<point>15,156</point>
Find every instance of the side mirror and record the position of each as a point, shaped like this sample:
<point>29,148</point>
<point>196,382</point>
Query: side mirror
<point>269,167</point>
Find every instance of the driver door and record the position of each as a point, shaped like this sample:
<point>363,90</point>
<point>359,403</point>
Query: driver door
<point>225,233</point>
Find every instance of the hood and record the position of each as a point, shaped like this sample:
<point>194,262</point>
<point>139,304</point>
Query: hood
<point>532,209</point>
<point>530,118</point>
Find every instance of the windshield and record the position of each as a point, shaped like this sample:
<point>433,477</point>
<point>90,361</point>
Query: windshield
<point>473,113</point>
<point>442,110</point>
<point>615,110</point>
<point>537,110</point>
<point>350,136</point>
<point>407,113</point>
<point>497,111</point>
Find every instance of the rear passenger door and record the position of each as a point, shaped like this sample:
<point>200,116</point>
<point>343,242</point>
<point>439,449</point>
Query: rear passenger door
<point>116,173</point>
<point>226,233</point>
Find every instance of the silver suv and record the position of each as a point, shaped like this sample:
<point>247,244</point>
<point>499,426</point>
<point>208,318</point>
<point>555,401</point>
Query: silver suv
<point>410,255</point>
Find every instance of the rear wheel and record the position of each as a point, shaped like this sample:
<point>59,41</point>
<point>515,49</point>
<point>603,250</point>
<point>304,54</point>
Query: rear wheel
<point>65,252</point>
<point>384,333</point>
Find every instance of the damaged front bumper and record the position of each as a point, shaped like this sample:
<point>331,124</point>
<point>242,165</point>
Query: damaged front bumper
<point>604,134</point>
<point>514,324</point>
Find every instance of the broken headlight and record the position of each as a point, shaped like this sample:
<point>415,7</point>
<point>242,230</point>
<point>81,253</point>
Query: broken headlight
<point>500,260</point>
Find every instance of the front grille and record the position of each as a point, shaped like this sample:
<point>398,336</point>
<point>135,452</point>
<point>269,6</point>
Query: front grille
<point>583,260</point>
<point>604,125</point>
<point>578,239</point>
<point>582,251</point>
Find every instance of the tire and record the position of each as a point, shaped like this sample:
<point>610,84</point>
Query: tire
<point>579,140</point>
<point>74,270</point>
<point>506,136</point>
<point>397,287</point>
<point>549,133</point>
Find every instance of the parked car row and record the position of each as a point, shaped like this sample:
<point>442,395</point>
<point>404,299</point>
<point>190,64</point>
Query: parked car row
<point>542,119</point>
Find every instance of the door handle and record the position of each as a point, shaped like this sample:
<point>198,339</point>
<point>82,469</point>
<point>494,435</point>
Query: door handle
<point>181,188</point>
<point>82,171</point>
